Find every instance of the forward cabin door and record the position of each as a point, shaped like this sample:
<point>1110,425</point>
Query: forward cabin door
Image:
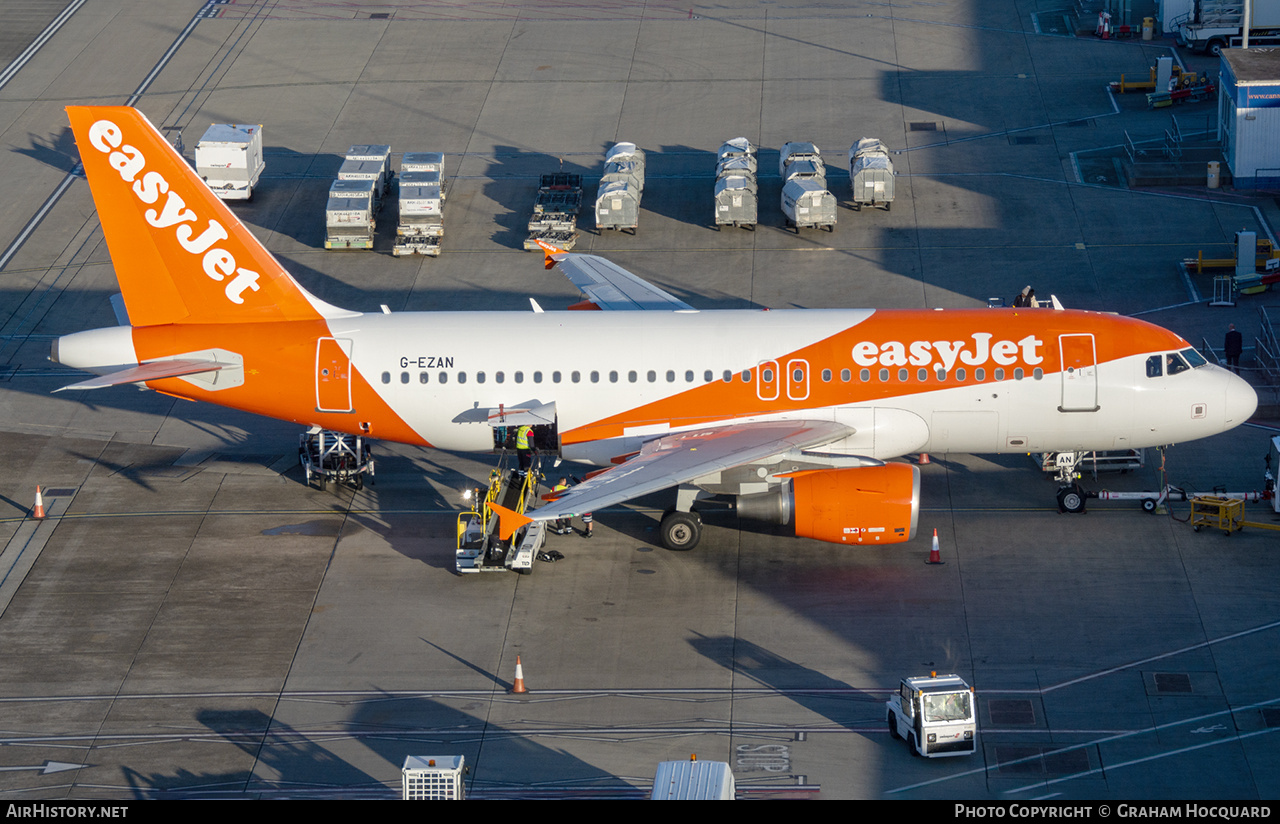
<point>333,375</point>
<point>1079,373</point>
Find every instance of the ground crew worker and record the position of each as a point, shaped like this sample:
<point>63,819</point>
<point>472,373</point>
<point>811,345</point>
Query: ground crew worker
<point>563,526</point>
<point>524,446</point>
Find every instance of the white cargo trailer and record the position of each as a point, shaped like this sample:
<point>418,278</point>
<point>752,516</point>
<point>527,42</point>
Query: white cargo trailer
<point>794,151</point>
<point>618,206</point>
<point>736,201</point>
<point>349,222</point>
<point>422,162</point>
<point>871,174</point>
<point>229,159</point>
<point>808,205</point>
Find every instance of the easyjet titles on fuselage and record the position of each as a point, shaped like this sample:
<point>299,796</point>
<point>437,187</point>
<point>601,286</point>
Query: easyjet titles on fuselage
<point>216,262</point>
<point>980,350</point>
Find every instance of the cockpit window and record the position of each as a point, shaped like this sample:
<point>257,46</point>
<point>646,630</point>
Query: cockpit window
<point>1173,364</point>
<point>1194,358</point>
<point>1153,366</point>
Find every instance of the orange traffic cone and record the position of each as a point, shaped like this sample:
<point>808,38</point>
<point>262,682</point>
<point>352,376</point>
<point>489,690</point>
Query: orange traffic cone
<point>924,458</point>
<point>934,556</point>
<point>519,685</point>
<point>38,512</point>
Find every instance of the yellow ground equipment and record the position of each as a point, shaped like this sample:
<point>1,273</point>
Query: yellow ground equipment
<point>480,546</point>
<point>1123,86</point>
<point>1215,512</point>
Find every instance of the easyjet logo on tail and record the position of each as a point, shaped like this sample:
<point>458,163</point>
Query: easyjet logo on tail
<point>148,187</point>
<point>979,350</point>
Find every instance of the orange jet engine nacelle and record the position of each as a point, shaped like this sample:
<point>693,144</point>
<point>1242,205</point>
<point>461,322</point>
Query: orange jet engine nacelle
<point>861,505</point>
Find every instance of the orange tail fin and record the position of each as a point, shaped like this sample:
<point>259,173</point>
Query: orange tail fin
<point>180,255</point>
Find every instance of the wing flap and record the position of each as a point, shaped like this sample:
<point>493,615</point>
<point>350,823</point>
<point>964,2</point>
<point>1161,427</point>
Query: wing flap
<point>675,459</point>
<point>609,286</point>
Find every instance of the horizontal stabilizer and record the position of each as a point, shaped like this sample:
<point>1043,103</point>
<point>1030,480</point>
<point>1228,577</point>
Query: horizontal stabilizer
<point>155,370</point>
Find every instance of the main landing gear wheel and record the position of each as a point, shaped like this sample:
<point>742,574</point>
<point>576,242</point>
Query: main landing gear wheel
<point>1071,499</point>
<point>680,530</point>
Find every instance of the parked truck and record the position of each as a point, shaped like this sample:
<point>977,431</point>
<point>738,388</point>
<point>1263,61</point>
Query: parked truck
<point>229,159</point>
<point>935,714</point>
<point>1214,25</point>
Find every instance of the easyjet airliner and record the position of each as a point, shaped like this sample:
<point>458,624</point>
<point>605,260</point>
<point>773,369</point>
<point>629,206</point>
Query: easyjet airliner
<point>797,413</point>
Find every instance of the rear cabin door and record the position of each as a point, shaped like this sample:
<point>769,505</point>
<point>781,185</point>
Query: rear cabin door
<point>333,375</point>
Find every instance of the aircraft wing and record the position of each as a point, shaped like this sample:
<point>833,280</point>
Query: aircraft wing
<point>683,457</point>
<point>153,370</point>
<point>609,286</point>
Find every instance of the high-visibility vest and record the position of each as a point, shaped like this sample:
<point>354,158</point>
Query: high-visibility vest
<point>522,437</point>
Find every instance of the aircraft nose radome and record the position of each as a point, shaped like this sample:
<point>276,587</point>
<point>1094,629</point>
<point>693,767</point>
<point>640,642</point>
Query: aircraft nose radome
<point>1241,401</point>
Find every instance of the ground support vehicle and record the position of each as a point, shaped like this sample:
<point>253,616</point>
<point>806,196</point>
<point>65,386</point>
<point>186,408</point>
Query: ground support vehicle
<point>693,780</point>
<point>555,212</point>
<point>1215,25</point>
<point>808,205</point>
<point>736,191</point>
<point>335,456</point>
<point>481,548</point>
<point>349,215</point>
<point>871,175</point>
<point>229,159</point>
<point>420,225</point>
<point>935,714</point>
